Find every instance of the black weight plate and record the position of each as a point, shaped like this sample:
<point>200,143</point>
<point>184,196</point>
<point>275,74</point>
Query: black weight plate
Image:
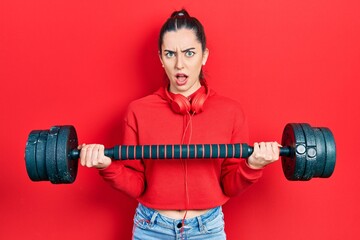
<point>321,152</point>
<point>294,165</point>
<point>330,152</point>
<point>310,151</point>
<point>67,167</point>
<point>41,156</point>
<point>51,155</point>
<point>30,155</point>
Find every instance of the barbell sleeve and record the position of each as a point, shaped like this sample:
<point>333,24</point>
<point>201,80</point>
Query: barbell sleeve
<point>190,151</point>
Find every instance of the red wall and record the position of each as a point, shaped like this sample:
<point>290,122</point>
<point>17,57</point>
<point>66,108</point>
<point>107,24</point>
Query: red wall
<point>82,62</point>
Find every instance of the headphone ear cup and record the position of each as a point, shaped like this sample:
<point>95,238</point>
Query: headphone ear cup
<point>198,102</point>
<point>180,104</point>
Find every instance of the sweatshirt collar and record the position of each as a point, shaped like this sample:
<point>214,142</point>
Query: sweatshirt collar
<point>161,92</point>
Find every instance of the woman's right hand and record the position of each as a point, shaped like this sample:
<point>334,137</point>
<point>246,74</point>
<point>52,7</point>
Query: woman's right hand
<point>92,155</point>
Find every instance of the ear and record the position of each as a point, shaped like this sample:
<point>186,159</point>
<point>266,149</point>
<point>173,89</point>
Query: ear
<point>162,63</point>
<point>205,56</point>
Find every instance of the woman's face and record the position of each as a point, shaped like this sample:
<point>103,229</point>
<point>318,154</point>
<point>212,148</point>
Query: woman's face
<point>182,58</point>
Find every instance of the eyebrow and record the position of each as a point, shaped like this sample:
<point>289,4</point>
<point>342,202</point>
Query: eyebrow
<point>186,50</point>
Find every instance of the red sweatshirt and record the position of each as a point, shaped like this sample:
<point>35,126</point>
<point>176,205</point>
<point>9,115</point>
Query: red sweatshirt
<point>182,184</point>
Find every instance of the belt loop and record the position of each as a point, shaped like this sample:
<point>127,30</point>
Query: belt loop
<point>152,220</point>
<point>201,225</point>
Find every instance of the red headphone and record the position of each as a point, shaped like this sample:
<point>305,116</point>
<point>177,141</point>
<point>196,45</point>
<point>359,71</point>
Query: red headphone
<point>182,105</point>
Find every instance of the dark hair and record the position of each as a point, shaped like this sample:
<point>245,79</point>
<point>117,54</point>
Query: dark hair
<point>182,19</point>
<point>179,20</point>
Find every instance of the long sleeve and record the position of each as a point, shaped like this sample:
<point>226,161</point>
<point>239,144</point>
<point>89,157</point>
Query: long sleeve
<point>127,176</point>
<point>236,175</point>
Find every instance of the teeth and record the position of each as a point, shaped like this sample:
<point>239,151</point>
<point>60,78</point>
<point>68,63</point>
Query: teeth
<point>181,76</point>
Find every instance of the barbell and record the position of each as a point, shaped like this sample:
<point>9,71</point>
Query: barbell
<point>307,152</point>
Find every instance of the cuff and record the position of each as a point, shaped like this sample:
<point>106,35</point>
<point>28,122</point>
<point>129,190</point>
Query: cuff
<point>112,169</point>
<point>248,172</point>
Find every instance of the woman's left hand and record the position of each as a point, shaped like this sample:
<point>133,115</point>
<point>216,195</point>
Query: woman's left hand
<point>264,153</point>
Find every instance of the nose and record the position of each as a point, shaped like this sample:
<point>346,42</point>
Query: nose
<point>179,62</point>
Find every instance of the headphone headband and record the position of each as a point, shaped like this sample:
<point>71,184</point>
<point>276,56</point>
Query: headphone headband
<point>182,105</point>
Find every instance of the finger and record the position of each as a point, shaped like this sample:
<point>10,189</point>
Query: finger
<point>262,148</point>
<point>276,150</point>
<point>83,154</point>
<point>268,151</point>
<point>81,146</point>
<point>95,156</point>
<point>89,153</point>
<point>101,153</point>
<point>256,150</point>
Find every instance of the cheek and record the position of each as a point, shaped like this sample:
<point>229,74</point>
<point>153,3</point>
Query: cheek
<point>168,63</point>
<point>196,66</point>
<point>168,71</point>
<point>167,68</point>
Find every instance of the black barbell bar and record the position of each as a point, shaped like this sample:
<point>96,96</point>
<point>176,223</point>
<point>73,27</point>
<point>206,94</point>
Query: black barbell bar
<point>180,151</point>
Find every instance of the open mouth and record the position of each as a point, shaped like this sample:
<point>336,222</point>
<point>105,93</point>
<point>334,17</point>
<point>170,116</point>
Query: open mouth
<point>181,79</point>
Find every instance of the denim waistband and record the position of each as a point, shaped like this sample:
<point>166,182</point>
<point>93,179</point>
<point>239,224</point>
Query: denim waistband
<point>170,223</point>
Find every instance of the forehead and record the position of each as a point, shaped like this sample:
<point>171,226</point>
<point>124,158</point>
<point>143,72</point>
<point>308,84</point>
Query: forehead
<point>182,38</point>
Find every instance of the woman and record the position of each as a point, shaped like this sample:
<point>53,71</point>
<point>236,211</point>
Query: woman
<point>182,198</point>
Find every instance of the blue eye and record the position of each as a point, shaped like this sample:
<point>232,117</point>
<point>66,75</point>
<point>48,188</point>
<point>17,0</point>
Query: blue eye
<point>169,54</point>
<point>189,53</point>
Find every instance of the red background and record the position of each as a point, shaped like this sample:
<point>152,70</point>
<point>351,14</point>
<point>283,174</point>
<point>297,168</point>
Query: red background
<point>82,62</point>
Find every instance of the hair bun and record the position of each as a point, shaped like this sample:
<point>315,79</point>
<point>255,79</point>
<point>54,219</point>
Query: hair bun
<point>181,13</point>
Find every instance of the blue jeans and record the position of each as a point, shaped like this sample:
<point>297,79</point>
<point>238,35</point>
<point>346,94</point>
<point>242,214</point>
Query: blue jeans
<point>149,224</point>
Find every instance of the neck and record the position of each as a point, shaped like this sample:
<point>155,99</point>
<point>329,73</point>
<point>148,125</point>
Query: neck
<point>194,88</point>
